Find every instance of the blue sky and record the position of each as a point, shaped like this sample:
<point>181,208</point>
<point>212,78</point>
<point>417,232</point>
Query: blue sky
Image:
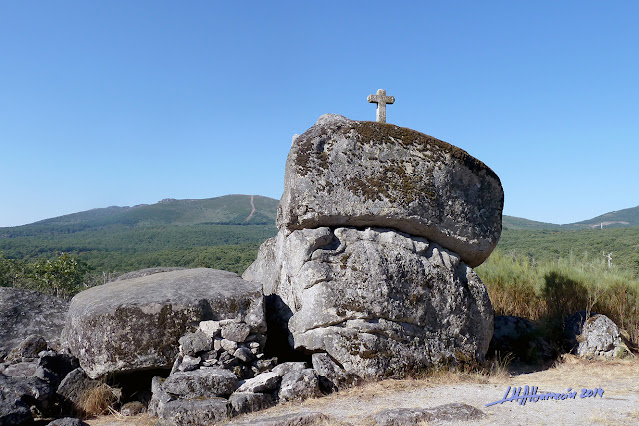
<point>128,102</point>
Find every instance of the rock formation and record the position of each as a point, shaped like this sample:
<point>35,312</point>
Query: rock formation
<point>28,312</point>
<point>134,324</point>
<point>378,229</point>
<point>342,172</point>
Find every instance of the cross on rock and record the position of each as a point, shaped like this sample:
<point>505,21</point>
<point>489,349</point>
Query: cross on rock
<point>381,100</point>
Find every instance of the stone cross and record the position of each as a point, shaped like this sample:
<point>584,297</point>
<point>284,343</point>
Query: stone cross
<point>381,100</point>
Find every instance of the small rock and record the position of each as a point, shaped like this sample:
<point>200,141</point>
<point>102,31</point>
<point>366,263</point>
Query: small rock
<point>288,367</point>
<point>210,328</point>
<point>196,411</point>
<point>293,419</point>
<point>229,346</point>
<point>237,332</point>
<point>194,343</point>
<point>67,421</point>
<point>265,382</point>
<point>266,364</point>
<point>132,408</point>
<point>189,363</point>
<point>29,348</point>
<point>299,385</point>
<point>23,369</point>
<point>205,382</point>
<point>248,402</point>
<point>244,354</point>
<point>331,376</point>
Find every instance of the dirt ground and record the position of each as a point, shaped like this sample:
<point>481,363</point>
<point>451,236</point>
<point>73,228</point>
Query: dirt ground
<point>619,404</point>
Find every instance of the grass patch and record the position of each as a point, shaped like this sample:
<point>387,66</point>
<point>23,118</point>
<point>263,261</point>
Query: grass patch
<point>551,290</point>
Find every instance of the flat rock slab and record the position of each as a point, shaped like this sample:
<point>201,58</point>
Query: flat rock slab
<point>135,324</point>
<point>26,312</point>
<point>342,172</point>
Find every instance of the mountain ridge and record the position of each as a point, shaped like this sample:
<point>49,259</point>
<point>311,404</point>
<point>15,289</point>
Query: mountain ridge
<point>236,209</point>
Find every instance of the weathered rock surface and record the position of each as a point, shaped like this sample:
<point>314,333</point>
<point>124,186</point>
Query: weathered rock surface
<point>16,393</point>
<point>248,402</point>
<point>27,312</point>
<point>135,324</point>
<point>594,336</point>
<point>307,418</point>
<point>202,383</point>
<point>29,348</point>
<point>196,412</point>
<point>356,173</point>
<point>299,385</point>
<point>379,302</point>
<point>454,412</point>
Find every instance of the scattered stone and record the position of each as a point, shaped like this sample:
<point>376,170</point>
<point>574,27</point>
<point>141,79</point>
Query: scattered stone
<point>456,411</point>
<point>28,349</point>
<point>13,411</point>
<point>159,397</point>
<point>453,412</point>
<point>237,332</point>
<point>205,382</point>
<point>24,369</point>
<point>331,376</point>
<point>244,354</point>
<point>600,337</point>
<point>132,408</point>
<point>189,363</point>
<point>265,382</point>
<point>194,343</point>
<point>293,419</point>
<point>60,363</point>
<point>18,392</point>
<point>248,402</point>
<point>402,417</point>
<point>288,367</point>
<point>196,411</point>
<point>134,324</point>
<point>67,421</point>
<point>299,385</point>
<point>228,345</point>
<point>210,328</point>
<point>27,312</point>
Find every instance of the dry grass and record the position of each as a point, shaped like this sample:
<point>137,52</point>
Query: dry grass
<point>98,400</point>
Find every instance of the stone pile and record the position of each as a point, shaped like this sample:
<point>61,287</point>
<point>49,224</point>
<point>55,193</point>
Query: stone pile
<point>379,228</point>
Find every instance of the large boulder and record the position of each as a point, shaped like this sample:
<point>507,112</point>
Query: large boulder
<point>342,172</point>
<point>378,301</point>
<point>135,324</point>
<point>27,312</point>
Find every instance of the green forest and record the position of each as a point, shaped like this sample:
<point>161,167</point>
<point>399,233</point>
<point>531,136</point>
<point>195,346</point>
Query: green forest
<point>539,271</point>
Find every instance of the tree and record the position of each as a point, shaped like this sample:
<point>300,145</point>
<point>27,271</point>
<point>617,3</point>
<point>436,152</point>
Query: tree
<point>62,277</point>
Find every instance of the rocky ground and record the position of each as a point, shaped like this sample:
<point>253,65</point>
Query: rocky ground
<point>619,404</point>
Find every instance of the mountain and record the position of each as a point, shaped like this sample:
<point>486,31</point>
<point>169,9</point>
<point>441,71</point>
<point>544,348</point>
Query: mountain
<point>225,210</point>
<point>222,232</point>
<point>615,219</point>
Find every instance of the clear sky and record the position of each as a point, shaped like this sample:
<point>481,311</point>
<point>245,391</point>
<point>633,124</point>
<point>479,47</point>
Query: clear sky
<point>128,102</point>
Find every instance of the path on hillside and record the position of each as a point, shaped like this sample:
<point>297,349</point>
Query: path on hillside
<point>252,210</point>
